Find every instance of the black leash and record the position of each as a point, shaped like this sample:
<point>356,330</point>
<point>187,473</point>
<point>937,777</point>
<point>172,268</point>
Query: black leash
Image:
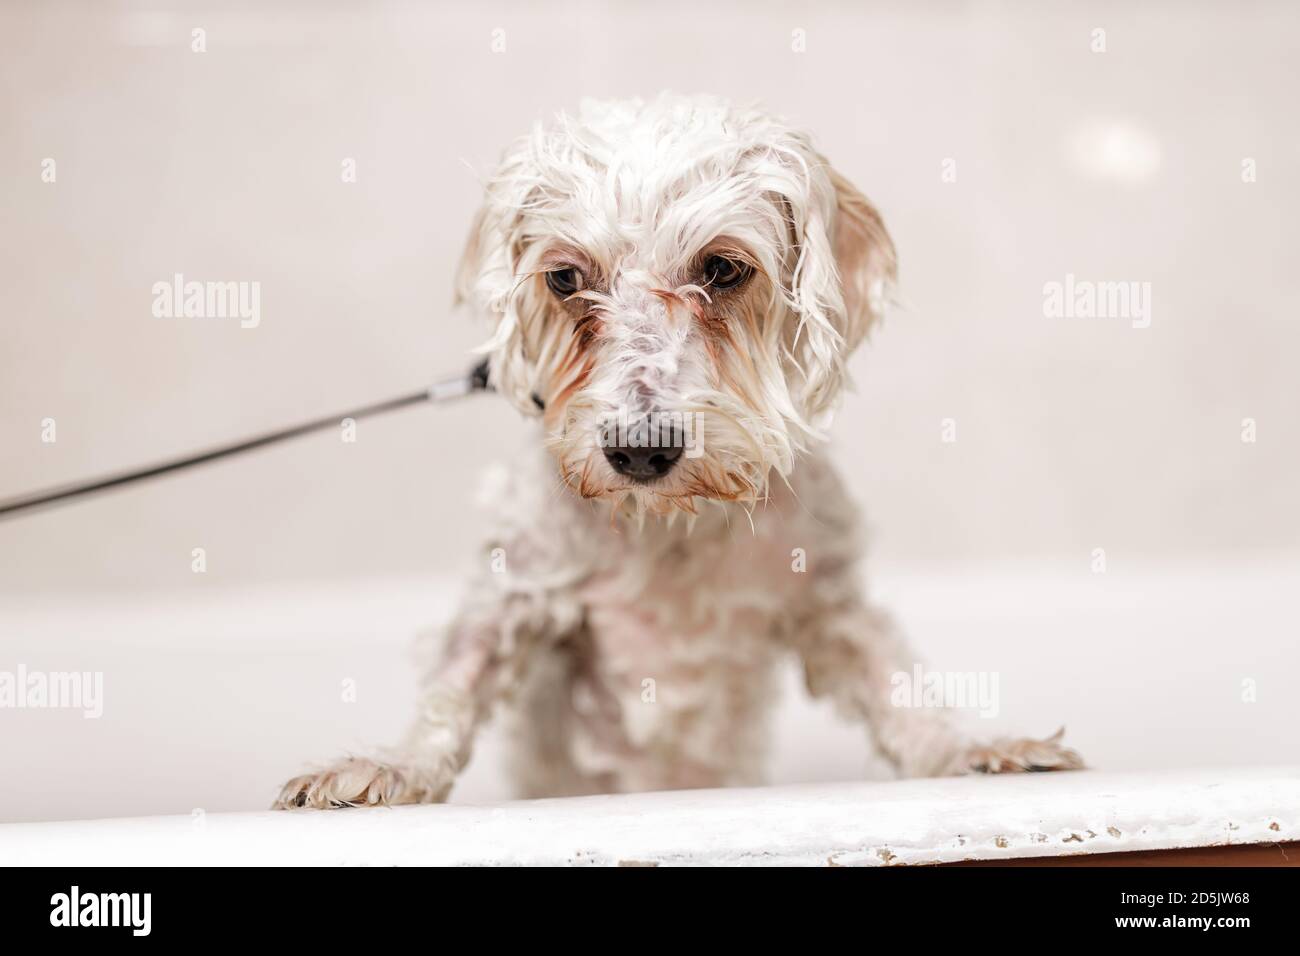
<point>475,381</point>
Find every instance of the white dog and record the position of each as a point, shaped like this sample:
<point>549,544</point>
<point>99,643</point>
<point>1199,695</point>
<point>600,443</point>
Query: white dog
<point>676,287</point>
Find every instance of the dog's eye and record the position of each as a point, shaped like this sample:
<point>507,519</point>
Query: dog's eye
<point>564,282</point>
<point>723,273</point>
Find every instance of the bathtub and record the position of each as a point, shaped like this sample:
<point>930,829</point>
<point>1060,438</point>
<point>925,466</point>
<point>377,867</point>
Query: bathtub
<point>211,699</point>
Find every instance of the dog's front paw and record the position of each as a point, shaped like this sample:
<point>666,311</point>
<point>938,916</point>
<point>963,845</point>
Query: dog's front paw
<point>358,782</point>
<point>1019,756</point>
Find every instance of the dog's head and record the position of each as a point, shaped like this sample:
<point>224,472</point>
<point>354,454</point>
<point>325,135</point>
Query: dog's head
<point>677,286</point>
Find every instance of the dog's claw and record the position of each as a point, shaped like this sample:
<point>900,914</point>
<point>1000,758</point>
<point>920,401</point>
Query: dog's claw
<point>1024,755</point>
<point>349,783</point>
<point>360,782</point>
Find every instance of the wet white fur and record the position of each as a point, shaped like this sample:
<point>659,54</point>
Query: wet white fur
<point>630,632</point>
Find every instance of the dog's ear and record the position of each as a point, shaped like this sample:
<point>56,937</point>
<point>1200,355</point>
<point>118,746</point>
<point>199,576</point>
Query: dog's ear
<point>487,283</point>
<point>472,260</point>
<point>844,269</point>
<point>864,258</point>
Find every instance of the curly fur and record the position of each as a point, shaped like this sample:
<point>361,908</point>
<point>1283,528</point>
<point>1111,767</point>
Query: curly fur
<point>635,627</point>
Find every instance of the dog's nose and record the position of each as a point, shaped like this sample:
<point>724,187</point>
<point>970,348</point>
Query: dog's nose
<point>643,464</point>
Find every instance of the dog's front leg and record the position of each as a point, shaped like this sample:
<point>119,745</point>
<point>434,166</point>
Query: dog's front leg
<point>480,660</point>
<point>852,653</point>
